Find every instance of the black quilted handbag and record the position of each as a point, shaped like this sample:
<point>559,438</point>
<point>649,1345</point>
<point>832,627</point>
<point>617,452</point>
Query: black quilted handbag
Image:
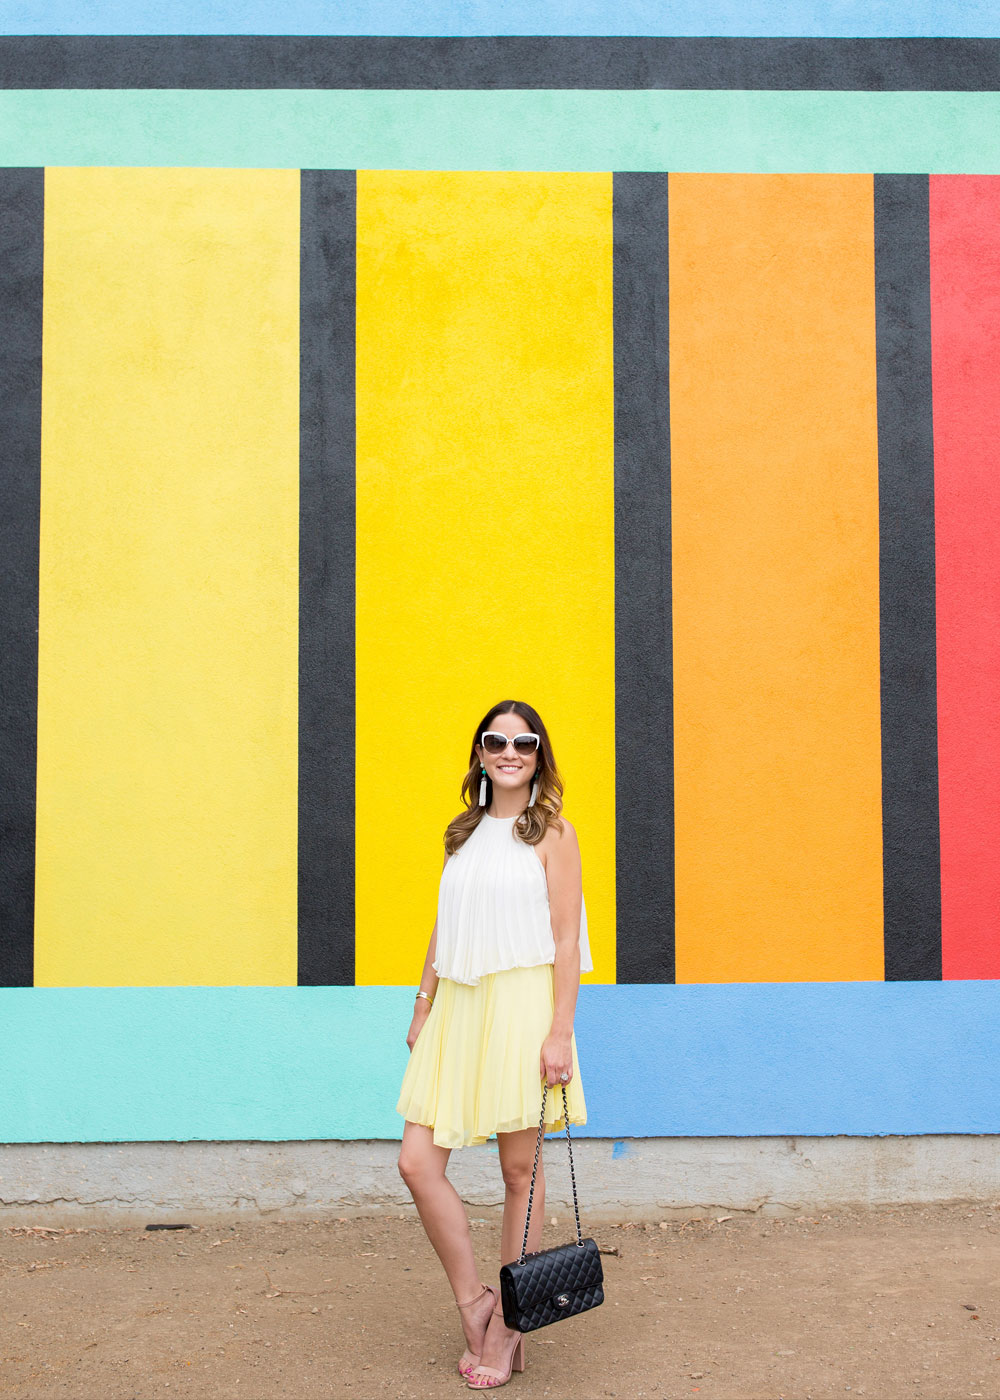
<point>553,1283</point>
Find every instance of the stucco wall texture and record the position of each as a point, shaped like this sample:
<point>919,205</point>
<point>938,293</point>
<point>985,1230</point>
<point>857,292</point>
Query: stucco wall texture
<point>354,378</point>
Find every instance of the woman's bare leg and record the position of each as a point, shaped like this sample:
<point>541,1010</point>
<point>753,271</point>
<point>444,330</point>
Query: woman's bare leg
<point>517,1153</point>
<point>422,1166</point>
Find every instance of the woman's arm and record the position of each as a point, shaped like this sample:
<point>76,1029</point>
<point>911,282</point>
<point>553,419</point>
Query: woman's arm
<point>428,983</point>
<point>565,881</point>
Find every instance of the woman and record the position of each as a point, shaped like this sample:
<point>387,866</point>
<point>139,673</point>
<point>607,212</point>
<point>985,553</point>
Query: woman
<point>494,1013</point>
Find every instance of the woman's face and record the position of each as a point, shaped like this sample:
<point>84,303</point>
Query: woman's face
<point>509,770</point>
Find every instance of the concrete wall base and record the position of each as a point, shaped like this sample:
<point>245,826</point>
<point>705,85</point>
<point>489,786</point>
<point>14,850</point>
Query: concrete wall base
<point>625,1179</point>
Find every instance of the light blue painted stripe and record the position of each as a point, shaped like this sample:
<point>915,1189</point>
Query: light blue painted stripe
<point>821,18</point>
<point>273,1063</point>
<point>548,130</point>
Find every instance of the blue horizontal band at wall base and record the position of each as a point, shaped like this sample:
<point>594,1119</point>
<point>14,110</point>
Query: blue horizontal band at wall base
<point>110,1064</point>
<point>976,18</point>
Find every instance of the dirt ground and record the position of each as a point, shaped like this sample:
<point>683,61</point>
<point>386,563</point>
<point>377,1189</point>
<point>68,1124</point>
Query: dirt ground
<point>884,1303</point>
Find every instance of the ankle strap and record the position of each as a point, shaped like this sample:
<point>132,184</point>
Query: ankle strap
<point>485,1289</point>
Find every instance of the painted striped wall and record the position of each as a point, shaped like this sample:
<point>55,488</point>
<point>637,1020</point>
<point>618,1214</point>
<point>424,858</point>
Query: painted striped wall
<point>755,371</point>
<point>757,575</point>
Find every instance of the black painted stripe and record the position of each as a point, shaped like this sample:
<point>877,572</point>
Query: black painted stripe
<point>22,202</point>
<point>329,61</point>
<point>644,749</point>
<point>910,822</point>
<point>326,579</point>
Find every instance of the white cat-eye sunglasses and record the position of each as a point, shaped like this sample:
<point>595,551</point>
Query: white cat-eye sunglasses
<point>495,742</point>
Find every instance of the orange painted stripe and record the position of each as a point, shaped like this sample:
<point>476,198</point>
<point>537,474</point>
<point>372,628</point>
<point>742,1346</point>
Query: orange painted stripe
<point>775,578</point>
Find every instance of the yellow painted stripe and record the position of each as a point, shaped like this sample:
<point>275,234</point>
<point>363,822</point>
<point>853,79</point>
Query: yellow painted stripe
<point>775,578</point>
<point>485,521</point>
<point>166,847</point>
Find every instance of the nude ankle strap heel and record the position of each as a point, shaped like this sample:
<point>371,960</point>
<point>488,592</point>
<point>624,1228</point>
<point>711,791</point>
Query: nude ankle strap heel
<point>496,1377</point>
<point>469,1360</point>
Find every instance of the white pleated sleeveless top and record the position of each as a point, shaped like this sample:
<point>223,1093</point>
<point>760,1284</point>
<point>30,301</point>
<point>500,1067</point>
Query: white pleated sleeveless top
<point>493,907</point>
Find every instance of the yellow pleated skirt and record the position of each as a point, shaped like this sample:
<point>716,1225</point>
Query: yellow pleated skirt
<point>474,1069</point>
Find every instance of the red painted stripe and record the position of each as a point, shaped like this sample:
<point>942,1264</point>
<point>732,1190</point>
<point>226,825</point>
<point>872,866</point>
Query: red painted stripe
<point>965,333</point>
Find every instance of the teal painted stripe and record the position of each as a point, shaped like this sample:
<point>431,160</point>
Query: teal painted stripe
<point>132,1064</point>
<point>125,1064</point>
<point>919,132</point>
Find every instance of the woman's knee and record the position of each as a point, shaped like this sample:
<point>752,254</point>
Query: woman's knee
<point>517,1176</point>
<point>417,1168</point>
<point>409,1165</point>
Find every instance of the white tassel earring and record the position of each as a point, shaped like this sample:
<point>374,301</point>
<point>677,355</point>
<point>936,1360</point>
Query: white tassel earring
<point>534,793</point>
<point>482,787</point>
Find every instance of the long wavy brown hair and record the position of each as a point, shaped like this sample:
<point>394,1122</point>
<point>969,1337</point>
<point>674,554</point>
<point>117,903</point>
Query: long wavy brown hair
<point>534,821</point>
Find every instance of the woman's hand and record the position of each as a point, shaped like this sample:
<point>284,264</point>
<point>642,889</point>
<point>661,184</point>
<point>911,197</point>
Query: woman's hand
<point>420,1013</point>
<point>557,1058</point>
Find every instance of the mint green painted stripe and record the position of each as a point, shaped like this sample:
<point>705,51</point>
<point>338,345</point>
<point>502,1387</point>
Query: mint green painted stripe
<point>133,1064</point>
<point>704,131</point>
